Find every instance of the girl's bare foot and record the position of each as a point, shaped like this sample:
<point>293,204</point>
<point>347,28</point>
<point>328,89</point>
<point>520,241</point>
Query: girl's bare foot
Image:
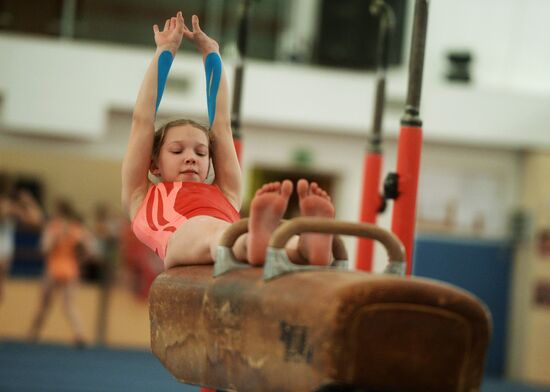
<point>315,202</point>
<point>266,210</point>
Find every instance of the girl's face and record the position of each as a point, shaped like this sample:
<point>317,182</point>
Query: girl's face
<point>183,156</point>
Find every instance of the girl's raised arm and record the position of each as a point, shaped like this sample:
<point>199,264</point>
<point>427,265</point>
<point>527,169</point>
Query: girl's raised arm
<point>137,159</point>
<point>225,161</point>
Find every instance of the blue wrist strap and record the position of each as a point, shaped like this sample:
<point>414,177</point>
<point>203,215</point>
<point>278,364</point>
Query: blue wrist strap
<point>213,72</point>
<point>164,64</point>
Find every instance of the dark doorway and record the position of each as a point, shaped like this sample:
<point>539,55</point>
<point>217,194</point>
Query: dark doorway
<point>261,175</point>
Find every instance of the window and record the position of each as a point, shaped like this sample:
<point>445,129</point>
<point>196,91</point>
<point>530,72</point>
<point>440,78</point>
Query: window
<point>335,33</point>
<point>31,16</point>
<point>348,34</point>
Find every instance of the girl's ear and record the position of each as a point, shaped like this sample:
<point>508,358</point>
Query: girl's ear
<point>153,168</point>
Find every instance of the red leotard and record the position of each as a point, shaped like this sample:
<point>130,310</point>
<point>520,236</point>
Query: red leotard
<point>169,204</point>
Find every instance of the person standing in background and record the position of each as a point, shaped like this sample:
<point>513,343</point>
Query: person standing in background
<point>64,240</point>
<point>21,208</point>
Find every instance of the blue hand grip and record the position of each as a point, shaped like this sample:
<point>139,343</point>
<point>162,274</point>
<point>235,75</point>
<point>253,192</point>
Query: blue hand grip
<point>213,72</point>
<point>164,64</point>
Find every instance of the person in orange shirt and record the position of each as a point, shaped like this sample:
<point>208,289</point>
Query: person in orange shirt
<point>63,241</point>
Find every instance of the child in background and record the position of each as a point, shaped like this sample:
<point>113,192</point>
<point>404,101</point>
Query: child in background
<point>63,240</point>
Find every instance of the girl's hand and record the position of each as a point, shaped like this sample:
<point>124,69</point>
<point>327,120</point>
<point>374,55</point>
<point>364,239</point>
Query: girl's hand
<point>204,43</point>
<point>170,37</point>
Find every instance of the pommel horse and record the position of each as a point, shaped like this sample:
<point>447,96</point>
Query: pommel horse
<point>289,328</point>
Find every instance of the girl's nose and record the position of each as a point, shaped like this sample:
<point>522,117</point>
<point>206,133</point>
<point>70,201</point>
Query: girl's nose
<point>190,159</point>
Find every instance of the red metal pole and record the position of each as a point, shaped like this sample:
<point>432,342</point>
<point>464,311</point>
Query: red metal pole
<point>372,202</point>
<point>370,205</point>
<point>408,168</point>
<point>410,139</point>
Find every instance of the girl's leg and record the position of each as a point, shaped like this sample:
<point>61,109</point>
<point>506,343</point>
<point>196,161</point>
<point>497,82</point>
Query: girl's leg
<point>45,301</point>
<point>195,242</point>
<point>266,211</point>
<point>314,202</point>
<point>69,297</point>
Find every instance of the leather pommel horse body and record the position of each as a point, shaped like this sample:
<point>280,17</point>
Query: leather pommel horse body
<point>316,329</point>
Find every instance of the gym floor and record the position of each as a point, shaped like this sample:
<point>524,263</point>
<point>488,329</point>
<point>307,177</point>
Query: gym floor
<point>49,367</point>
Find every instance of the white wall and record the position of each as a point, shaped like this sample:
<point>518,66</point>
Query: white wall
<point>509,39</point>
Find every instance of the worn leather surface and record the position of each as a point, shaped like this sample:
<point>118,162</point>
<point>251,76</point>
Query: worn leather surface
<point>309,329</point>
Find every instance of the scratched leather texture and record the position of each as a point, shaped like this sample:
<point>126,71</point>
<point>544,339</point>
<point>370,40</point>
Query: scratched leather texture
<point>308,330</point>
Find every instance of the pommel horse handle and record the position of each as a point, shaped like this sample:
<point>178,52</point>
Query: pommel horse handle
<point>282,234</point>
<point>233,232</point>
<point>277,262</point>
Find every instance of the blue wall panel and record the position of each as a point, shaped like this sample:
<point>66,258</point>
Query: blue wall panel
<point>481,267</point>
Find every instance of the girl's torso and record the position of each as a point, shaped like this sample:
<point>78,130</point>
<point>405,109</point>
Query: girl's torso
<point>168,205</point>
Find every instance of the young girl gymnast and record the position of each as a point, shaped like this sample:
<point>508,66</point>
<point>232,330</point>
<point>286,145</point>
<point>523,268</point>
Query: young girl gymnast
<point>182,217</point>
